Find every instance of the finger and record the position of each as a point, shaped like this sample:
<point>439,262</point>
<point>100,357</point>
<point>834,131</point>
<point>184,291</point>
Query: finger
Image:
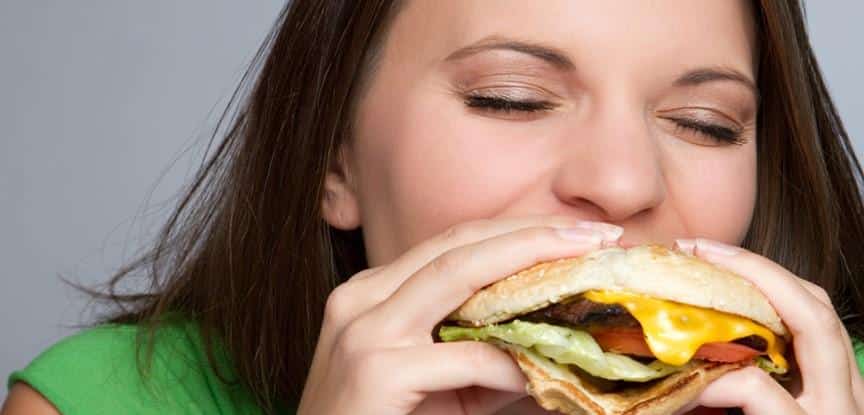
<point>854,371</point>
<point>347,301</point>
<point>443,367</point>
<point>371,287</point>
<point>752,390</point>
<point>815,327</point>
<point>472,232</point>
<point>472,400</point>
<point>336,313</point>
<point>446,282</point>
<point>338,310</point>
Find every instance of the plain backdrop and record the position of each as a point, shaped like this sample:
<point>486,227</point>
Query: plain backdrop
<point>99,100</point>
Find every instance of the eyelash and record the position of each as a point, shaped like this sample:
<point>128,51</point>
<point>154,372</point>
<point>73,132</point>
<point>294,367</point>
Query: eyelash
<point>506,105</point>
<point>718,133</point>
<point>715,132</point>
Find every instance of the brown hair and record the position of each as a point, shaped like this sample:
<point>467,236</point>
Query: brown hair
<point>247,256</point>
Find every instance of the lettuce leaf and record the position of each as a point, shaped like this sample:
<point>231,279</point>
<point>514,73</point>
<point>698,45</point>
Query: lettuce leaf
<point>767,365</point>
<point>564,346</point>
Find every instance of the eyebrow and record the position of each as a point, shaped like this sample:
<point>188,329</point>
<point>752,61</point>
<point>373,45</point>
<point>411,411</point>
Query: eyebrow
<point>550,55</point>
<point>560,60</point>
<point>701,76</point>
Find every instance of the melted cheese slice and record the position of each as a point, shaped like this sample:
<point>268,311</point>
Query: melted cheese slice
<point>674,331</point>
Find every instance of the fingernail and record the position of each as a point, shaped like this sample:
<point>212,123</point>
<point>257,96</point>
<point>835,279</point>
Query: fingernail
<point>714,247</point>
<point>685,245</point>
<point>610,232</point>
<point>609,244</point>
<point>580,235</point>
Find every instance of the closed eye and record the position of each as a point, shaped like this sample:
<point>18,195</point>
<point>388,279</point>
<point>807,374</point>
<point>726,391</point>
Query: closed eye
<point>506,105</point>
<point>718,133</point>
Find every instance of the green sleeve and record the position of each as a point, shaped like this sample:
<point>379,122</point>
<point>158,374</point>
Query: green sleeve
<point>858,346</point>
<point>96,372</point>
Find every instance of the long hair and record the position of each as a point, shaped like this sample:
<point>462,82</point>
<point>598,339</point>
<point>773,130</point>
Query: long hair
<point>247,256</point>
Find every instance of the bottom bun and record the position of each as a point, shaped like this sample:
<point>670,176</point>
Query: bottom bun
<point>556,388</point>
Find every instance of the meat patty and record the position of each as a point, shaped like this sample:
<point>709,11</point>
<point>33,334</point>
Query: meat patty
<point>753,342</point>
<point>582,312</point>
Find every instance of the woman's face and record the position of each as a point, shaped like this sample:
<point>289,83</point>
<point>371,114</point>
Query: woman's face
<point>638,113</point>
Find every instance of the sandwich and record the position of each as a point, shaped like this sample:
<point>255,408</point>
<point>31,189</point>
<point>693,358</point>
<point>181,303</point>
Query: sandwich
<point>630,331</point>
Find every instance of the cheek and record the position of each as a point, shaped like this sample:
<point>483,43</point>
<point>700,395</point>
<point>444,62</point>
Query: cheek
<point>715,194</point>
<point>433,166</point>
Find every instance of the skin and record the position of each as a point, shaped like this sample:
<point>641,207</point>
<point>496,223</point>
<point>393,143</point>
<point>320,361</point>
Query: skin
<point>452,198</point>
<point>605,153</point>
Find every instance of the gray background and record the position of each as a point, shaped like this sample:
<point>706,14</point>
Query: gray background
<point>98,100</point>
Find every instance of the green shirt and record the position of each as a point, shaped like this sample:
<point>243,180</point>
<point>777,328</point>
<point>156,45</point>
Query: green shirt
<point>95,372</point>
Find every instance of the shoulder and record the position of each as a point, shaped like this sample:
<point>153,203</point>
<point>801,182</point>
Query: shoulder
<point>117,369</point>
<point>69,373</point>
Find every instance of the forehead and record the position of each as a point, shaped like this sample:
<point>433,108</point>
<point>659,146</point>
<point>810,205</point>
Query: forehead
<point>598,36</point>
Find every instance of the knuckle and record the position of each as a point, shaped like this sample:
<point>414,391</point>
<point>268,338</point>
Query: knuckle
<point>756,379</point>
<point>460,232</point>
<point>821,294</point>
<point>825,317</point>
<point>339,304</point>
<point>365,273</point>
<point>463,232</point>
<point>446,263</point>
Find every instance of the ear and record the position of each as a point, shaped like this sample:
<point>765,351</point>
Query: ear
<point>340,206</point>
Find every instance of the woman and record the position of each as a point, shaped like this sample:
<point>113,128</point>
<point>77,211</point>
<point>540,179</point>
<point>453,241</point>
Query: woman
<point>407,153</point>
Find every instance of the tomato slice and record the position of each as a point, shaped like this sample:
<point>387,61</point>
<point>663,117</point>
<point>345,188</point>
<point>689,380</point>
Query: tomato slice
<point>631,341</point>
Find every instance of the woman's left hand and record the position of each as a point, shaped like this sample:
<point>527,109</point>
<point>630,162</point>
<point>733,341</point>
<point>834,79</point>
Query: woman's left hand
<point>830,381</point>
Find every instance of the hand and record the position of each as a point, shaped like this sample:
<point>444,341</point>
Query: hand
<point>375,353</point>
<point>830,381</point>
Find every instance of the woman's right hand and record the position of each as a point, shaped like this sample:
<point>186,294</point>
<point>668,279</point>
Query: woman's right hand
<point>375,352</point>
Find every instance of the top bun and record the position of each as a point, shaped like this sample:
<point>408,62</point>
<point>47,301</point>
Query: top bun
<point>651,270</point>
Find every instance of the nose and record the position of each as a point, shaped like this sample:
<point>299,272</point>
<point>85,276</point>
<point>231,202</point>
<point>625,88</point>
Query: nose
<point>611,166</point>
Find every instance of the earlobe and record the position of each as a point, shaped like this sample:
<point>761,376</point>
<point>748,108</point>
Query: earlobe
<point>340,207</point>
